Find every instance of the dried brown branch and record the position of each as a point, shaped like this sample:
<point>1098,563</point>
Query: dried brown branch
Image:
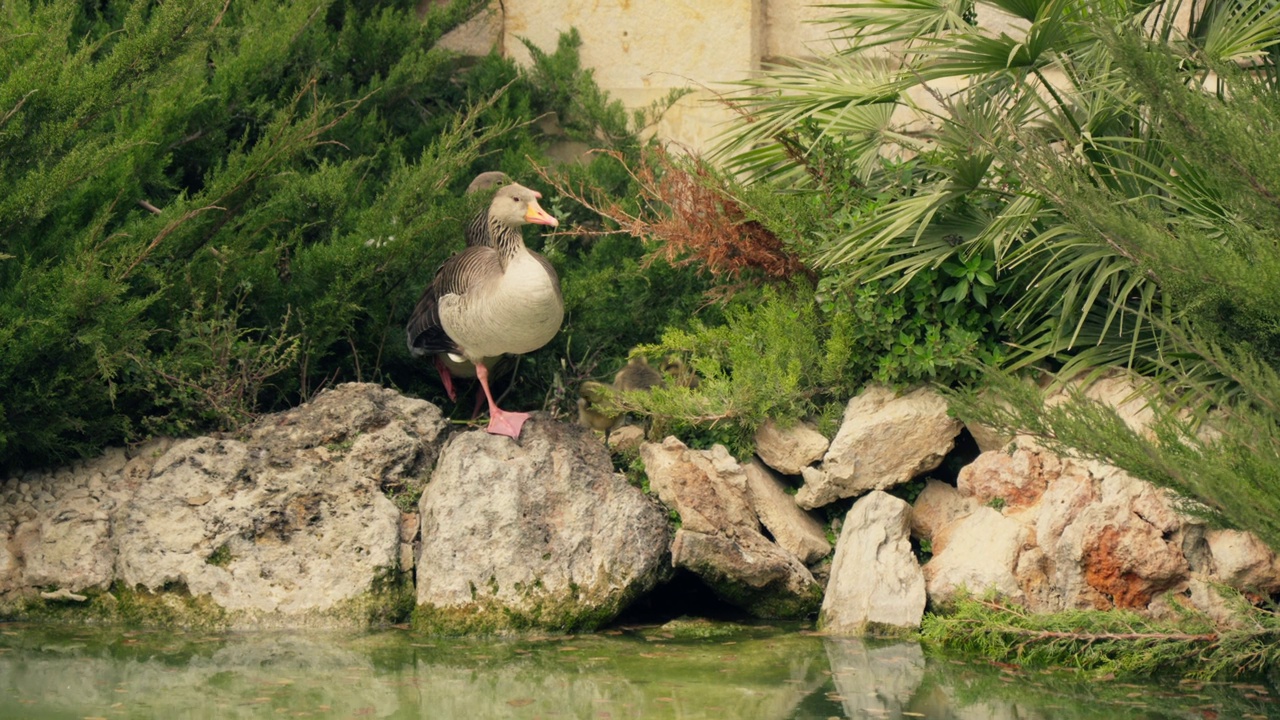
<point>695,216</point>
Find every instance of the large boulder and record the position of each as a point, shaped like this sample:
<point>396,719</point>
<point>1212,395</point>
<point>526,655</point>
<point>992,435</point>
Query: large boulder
<point>937,506</point>
<point>56,527</point>
<point>289,526</point>
<point>791,449</point>
<point>1055,533</point>
<point>1012,480</point>
<point>719,539</point>
<point>540,533</point>
<point>884,440</point>
<point>875,578</point>
<point>1119,550</point>
<point>976,554</point>
<point>1242,561</point>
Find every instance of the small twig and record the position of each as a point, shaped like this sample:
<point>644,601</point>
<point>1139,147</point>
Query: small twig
<point>218,20</point>
<point>16,108</point>
<point>164,233</point>
<point>149,207</point>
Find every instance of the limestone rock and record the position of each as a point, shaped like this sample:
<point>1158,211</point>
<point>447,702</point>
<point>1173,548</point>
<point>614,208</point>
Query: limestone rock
<point>1072,534</point>
<point>937,506</point>
<point>787,450</point>
<point>977,553</point>
<point>884,440</point>
<point>626,438</point>
<point>875,579</point>
<point>720,538</point>
<point>1016,480</point>
<point>1118,391</point>
<point>375,432</point>
<point>748,571</point>
<point>987,438</point>
<point>539,534</point>
<point>292,540</point>
<point>707,488</point>
<point>1243,562</point>
<point>289,526</point>
<point>477,36</point>
<point>68,546</point>
<point>1120,551</point>
<point>1205,596</point>
<point>793,529</point>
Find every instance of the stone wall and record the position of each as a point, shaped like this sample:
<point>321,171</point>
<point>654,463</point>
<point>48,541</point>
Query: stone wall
<point>640,51</point>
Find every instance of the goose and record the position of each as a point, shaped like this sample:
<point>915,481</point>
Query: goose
<point>683,375</point>
<point>477,235</point>
<point>492,300</point>
<point>590,394</point>
<point>637,375</point>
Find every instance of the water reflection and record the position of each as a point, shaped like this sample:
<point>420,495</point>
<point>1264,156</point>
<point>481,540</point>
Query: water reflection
<point>757,674</point>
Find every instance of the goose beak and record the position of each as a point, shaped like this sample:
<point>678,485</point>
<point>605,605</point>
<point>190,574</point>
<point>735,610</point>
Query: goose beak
<point>536,215</point>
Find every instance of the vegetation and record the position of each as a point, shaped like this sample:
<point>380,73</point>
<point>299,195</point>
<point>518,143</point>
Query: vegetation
<point>209,210</point>
<point>1093,189</point>
<point>1097,193</point>
<point>1115,641</point>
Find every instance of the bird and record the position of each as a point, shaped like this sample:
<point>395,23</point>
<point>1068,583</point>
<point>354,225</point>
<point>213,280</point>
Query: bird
<point>477,232</point>
<point>488,301</point>
<point>637,375</point>
<point>681,374</point>
<point>477,235</point>
<point>590,394</point>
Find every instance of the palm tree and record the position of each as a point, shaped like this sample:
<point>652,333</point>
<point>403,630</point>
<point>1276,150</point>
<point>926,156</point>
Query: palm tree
<point>1105,172</point>
<point>994,102</point>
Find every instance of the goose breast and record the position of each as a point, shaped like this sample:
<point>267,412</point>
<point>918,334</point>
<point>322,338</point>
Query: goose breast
<point>513,312</point>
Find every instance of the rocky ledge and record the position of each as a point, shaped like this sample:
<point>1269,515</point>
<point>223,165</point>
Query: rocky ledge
<point>364,507</point>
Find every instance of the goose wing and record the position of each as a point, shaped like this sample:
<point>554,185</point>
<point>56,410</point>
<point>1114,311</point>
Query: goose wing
<point>465,272</point>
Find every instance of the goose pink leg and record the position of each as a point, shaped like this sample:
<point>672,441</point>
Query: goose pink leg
<point>501,422</point>
<point>447,379</point>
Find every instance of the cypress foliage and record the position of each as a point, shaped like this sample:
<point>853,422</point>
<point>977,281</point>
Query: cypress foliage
<point>212,208</point>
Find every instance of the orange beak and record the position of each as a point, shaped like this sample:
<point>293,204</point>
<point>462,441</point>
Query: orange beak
<point>536,215</point>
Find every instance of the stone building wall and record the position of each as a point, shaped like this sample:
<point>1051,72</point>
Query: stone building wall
<point>641,49</point>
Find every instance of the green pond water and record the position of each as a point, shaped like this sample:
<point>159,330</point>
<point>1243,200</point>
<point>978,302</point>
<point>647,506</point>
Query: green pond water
<point>642,672</point>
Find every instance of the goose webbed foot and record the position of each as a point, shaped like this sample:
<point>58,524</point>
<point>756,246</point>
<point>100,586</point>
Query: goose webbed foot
<point>506,423</point>
<point>501,422</point>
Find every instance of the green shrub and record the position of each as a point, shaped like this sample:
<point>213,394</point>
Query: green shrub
<point>209,210</point>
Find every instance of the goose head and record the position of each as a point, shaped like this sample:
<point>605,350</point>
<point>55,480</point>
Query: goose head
<point>516,205</point>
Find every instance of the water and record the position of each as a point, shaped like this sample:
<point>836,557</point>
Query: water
<point>746,674</point>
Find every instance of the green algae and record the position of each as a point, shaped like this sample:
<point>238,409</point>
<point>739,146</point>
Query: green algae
<point>389,600</point>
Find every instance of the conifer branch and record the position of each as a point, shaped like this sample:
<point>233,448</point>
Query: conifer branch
<point>16,108</point>
<point>164,233</point>
<point>218,20</point>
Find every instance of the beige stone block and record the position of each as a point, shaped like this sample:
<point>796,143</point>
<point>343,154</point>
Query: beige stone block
<point>644,44</point>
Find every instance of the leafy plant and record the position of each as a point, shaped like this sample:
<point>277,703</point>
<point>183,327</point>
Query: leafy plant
<point>210,210</point>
